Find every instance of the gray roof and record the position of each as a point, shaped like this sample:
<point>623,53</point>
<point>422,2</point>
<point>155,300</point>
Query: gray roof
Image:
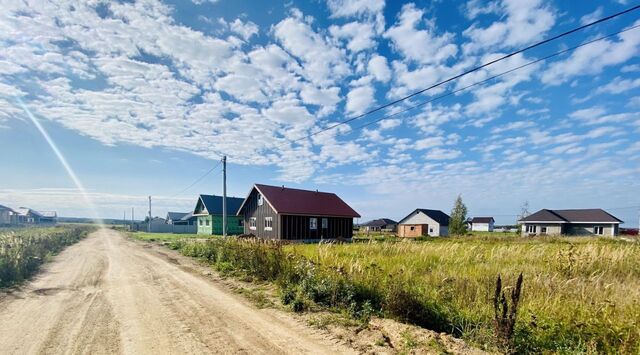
<point>437,215</point>
<point>482,220</point>
<point>176,216</point>
<point>187,216</point>
<point>213,204</point>
<point>5,208</point>
<point>571,216</point>
<point>379,222</point>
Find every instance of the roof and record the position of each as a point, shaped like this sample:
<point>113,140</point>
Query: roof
<point>5,208</point>
<point>24,211</point>
<point>213,204</point>
<point>572,216</point>
<point>379,222</point>
<point>48,214</point>
<point>437,215</point>
<point>482,220</point>
<point>176,216</point>
<point>286,200</point>
<point>187,216</point>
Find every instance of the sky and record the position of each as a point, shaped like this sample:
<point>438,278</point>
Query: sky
<point>144,97</point>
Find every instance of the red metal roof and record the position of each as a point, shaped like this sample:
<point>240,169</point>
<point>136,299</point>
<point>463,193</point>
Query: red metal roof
<point>295,201</point>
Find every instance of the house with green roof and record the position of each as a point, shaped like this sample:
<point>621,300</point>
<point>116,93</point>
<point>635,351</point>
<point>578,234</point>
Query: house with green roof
<point>208,211</point>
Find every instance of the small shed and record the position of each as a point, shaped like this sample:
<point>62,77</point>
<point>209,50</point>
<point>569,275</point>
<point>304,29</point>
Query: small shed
<point>481,224</point>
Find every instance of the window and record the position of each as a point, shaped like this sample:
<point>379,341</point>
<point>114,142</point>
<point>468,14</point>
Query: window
<point>252,223</point>
<point>268,223</point>
<point>241,223</point>
<point>325,223</point>
<point>598,230</point>
<point>530,229</point>
<point>313,223</point>
<point>206,222</point>
<point>413,228</point>
<point>200,222</point>
<point>430,230</point>
<point>260,199</point>
<point>543,230</point>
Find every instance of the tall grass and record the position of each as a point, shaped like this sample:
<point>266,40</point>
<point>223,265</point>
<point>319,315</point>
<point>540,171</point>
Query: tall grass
<point>579,295</point>
<point>23,251</point>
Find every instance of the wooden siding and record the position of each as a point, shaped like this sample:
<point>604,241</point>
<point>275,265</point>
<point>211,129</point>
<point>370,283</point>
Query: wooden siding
<point>296,227</point>
<point>251,209</point>
<point>215,225</point>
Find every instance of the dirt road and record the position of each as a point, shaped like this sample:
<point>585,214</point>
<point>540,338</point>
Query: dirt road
<point>107,294</point>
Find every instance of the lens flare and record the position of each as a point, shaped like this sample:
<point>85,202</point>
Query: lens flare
<point>65,164</point>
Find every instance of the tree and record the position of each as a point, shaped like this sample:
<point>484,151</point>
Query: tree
<point>458,220</point>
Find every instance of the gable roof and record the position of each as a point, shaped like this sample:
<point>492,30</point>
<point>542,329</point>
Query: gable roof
<point>187,216</point>
<point>482,220</point>
<point>24,211</point>
<point>379,222</point>
<point>303,202</point>
<point>5,208</point>
<point>437,215</point>
<point>176,216</point>
<point>592,215</point>
<point>213,205</point>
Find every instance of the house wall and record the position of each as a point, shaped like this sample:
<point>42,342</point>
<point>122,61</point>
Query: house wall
<point>588,229</point>
<point>552,229</point>
<point>298,227</point>
<point>419,218</point>
<point>214,227</point>
<point>251,209</point>
<point>482,227</point>
<point>5,217</point>
<point>412,230</point>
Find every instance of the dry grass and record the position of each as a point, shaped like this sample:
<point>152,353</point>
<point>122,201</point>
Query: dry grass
<point>580,294</point>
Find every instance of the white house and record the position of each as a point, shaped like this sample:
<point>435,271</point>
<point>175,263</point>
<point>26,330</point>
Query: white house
<point>482,224</point>
<point>424,222</point>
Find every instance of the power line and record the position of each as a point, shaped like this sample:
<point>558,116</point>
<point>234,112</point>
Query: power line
<point>455,77</point>
<point>197,180</point>
<point>495,77</point>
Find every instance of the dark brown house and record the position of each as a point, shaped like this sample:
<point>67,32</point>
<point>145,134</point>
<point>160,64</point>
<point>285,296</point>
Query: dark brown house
<point>278,212</point>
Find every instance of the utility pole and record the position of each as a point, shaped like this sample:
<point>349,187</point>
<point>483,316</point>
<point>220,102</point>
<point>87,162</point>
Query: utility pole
<point>124,218</point>
<point>149,224</point>
<point>224,196</point>
<point>131,218</point>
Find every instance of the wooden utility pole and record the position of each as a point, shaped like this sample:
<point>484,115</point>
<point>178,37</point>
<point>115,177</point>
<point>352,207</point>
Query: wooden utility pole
<point>224,195</point>
<point>149,224</point>
<point>131,218</point>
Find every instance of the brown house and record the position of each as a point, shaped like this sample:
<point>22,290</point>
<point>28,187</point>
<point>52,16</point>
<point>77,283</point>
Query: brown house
<point>424,222</point>
<point>276,212</point>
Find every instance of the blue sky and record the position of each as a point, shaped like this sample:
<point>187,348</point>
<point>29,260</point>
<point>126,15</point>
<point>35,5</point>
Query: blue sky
<point>143,97</point>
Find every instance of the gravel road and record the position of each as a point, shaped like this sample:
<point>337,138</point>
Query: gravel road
<point>107,294</point>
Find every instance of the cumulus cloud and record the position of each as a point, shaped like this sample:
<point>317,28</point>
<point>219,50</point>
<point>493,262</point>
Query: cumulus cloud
<point>416,44</point>
<point>379,68</point>
<point>359,99</point>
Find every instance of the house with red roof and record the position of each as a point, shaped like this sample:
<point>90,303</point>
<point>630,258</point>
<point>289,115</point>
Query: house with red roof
<point>278,212</point>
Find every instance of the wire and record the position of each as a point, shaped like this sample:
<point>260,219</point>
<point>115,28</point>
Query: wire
<point>563,34</point>
<point>495,77</point>
<point>197,180</point>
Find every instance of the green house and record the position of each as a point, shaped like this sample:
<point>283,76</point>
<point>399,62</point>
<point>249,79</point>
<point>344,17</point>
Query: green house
<point>209,213</point>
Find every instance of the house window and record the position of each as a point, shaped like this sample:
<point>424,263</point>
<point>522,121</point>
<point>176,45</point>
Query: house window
<point>598,230</point>
<point>200,222</point>
<point>241,223</point>
<point>413,228</point>
<point>268,223</point>
<point>325,223</point>
<point>430,230</point>
<point>260,199</point>
<point>530,228</point>
<point>206,222</point>
<point>543,230</point>
<point>252,223</point>
<point>313,223</point>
